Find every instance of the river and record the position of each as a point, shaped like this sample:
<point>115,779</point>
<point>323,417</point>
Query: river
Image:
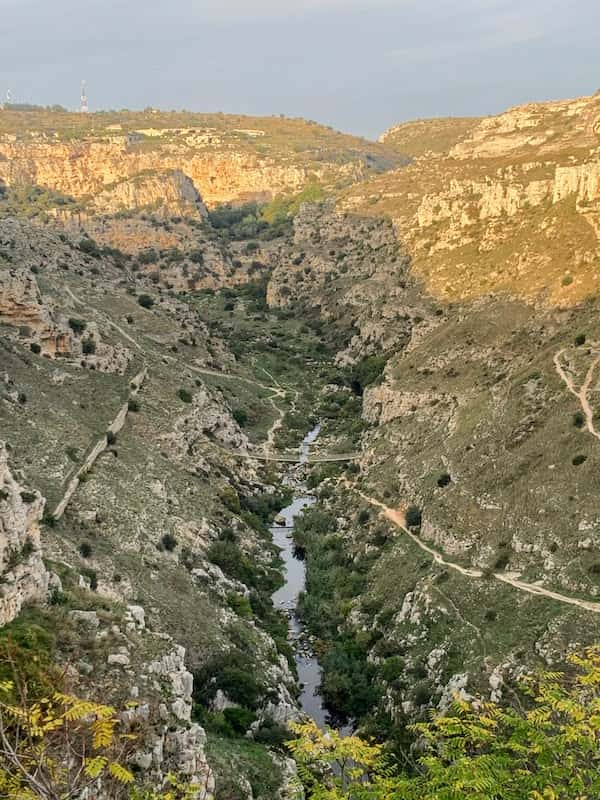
<point>286,598</point>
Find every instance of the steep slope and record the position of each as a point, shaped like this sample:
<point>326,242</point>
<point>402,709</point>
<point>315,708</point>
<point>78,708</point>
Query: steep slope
<point>154,530</point>
<point>428,136</point>
<point>482,425</point>
<point>460,549</point>
<point>510,207</point>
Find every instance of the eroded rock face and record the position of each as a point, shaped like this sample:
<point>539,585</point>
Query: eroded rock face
<point>23,577</point>
<point>512,206</point>
<point>172,192</point>
<point>352,270</point>
<point>88,167</point>
<point>21,306</point>
<point>206,416</point>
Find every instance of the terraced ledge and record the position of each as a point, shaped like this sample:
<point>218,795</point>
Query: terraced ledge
<point>115,426</point>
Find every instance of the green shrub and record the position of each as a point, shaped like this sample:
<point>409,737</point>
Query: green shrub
<point>92,577</point>
<point>240,719</point>
<point>168,542</point>
<point>90,247</point>
<point>28,497</point>
<point>230,499</point>
<point>85,550</point>
<point>88,346</point>
<point>578,419</point>
<point>133,405</point>
<point>444,480</point>
<point>363,517</point>
<point>35,348</point>
<point>240,604</point>
<point>185,395</point>
<point>145,301</point>
<point>501,562</point>
<point>422,693</point>
<point>579,459</point>
<point>77,325</point>
<point>111,438</point>
<point>414,516</point>
<point>272,734</point>
<point>367,372</point>
<point>148,256</point>
<point>580,339</point>
<point>392,669</point>
<point>233,562</point>
<point>240,416</point>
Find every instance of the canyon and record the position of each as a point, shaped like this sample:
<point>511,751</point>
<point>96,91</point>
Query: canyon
<point>182,299</point>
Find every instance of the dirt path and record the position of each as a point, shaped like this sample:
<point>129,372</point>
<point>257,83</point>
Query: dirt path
<point>115,426</point>
<point>114,325</point>
<point>397,518</point>
<point>277,391</point>
<point>582,393</point>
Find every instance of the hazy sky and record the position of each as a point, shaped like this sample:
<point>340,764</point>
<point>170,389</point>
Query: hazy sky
<point>360,65</point>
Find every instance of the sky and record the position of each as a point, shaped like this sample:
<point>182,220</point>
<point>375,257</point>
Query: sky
<point>358,65</point>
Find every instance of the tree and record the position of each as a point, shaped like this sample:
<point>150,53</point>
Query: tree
<point>55,745</point>
<point>240,416</point>
<point>88,346</point>
<point>77,325</point>
<point>59,746</point>
<point>545,747</point>
<point>414,517</point>
<point>353,761</point>
<point>145,301</point>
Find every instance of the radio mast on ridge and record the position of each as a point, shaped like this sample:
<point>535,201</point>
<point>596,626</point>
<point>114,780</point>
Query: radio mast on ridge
<point>83,105</point>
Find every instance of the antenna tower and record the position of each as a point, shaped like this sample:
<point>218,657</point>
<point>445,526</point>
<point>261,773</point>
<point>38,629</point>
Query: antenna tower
<point>83,105</point>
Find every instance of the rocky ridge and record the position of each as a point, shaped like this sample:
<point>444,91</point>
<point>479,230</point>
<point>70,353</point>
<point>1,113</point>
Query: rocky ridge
<point>510,204</point>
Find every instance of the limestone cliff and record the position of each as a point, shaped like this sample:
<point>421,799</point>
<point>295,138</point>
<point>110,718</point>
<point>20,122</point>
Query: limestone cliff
<point>22,307</point>
<point>23,577</point>
<point>226,158</point>
<point>351,270</point>
<point>511,205</point>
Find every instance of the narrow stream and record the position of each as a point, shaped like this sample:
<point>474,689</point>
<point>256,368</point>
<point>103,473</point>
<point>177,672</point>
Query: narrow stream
<point>286,598</point>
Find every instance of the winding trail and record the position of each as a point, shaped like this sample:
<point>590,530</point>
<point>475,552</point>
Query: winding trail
<point>276,390</point>
<point>114,325</point>
<point>582,393</point>
<point>396,516</point>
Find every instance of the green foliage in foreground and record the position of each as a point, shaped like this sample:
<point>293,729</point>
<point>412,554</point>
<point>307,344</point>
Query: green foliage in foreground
<point>546,748</point>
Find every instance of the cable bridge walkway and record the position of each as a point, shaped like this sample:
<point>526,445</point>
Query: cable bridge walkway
<point>294,456</point>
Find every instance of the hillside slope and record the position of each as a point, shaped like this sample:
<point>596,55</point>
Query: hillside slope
<point>511,207</point>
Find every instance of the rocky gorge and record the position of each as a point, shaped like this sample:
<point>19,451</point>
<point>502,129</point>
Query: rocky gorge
<point>180,302</point>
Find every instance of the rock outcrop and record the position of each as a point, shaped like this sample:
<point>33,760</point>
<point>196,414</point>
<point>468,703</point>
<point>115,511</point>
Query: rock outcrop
<point>23,577</point>
<point>22,307</point>
<point>227,159</point>
<point>509,204</point>
<point>169,192</point>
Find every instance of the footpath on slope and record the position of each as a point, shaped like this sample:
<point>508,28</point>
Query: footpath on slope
<point>396,516</point>
<point>582,393</point>
<point>110,322</point>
